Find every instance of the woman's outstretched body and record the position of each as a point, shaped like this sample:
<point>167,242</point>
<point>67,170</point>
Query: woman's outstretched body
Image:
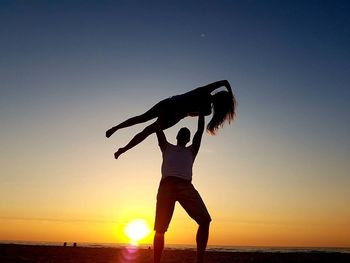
<point>170,111</point>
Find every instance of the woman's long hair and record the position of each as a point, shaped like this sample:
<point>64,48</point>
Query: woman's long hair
<point>223,105</point>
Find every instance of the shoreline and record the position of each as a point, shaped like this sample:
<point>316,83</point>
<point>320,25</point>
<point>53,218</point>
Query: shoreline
<point>215,248</point>
<point>69,254</point>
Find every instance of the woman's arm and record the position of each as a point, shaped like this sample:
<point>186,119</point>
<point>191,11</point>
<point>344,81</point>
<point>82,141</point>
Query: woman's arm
<point>228,87</point>
<point>215,85</point>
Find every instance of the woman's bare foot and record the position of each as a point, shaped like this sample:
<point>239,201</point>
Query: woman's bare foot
<point>118,153</point>
<point>111,131</point>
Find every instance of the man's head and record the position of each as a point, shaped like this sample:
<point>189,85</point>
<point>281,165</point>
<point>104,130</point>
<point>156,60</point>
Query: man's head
<point>183,136</point>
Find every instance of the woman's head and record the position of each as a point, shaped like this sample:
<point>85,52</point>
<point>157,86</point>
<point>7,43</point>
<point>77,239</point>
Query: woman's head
<point>224,105</point>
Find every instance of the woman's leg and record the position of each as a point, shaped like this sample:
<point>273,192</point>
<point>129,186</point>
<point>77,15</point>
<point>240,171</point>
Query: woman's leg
<point>137,139</point>
<point>148,115</point>
<point>161,123</point>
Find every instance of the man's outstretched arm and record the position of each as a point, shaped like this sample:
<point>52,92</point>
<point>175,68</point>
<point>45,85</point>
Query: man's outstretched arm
<point>161,139</point>
<point>197,138</point>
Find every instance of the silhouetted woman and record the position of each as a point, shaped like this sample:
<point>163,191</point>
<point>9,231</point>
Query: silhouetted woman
<point>170,111</point>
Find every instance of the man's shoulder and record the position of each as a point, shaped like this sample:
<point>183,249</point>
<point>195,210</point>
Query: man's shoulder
<point>191,148</point>
<point>166,145</point>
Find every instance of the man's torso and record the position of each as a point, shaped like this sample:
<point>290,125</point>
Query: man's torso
<point>177,161</point>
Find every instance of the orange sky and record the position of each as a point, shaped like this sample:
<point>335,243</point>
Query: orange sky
<point>92,198</point>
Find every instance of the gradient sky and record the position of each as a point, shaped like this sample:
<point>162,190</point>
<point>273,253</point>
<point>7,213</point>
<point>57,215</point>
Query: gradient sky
<point>69,70</point>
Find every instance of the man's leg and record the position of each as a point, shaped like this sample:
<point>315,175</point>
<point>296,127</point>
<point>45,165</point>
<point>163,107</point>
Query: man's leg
<point>192,202</point>
<point>158,246</point>
<point>202,240</point>
<point>164,212</point>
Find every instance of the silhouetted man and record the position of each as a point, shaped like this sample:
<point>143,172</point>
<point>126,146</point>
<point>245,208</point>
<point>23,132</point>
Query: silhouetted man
<point>176,186</point>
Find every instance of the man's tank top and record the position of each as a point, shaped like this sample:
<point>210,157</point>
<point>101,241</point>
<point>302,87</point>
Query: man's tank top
<point>177,161</point>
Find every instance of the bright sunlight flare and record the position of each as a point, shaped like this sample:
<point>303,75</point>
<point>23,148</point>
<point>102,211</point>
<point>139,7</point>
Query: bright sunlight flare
<point>137,230</point>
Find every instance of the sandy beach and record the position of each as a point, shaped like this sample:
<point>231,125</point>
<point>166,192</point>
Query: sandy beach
<point>55,254</point>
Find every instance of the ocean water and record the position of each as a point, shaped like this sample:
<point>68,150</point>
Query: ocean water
<point>192,247</point>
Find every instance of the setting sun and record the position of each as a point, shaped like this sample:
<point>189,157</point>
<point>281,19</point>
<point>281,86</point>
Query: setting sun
<point>137,230</point>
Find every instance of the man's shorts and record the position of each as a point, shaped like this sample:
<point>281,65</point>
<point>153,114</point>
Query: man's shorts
<point>172,189</point>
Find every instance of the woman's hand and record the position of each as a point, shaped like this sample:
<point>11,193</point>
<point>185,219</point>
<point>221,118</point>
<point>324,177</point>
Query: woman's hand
<point>228,87</point>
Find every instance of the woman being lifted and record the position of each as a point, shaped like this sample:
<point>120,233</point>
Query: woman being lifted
<point>171,110</point>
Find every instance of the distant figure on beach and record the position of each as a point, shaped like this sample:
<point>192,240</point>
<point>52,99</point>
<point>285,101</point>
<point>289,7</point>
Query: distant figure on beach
<point>171,110</point>
<point>176,185</point>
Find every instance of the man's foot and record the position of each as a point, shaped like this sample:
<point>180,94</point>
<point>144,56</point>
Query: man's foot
<point>118,153</point>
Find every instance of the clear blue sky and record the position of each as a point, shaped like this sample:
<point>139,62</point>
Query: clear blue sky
<point>69,70</point>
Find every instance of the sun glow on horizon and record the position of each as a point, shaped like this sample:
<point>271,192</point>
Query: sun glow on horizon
<point>136,230</point>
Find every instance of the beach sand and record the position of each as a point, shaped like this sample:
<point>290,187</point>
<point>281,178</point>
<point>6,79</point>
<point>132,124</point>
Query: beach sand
<point>55,254</point>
